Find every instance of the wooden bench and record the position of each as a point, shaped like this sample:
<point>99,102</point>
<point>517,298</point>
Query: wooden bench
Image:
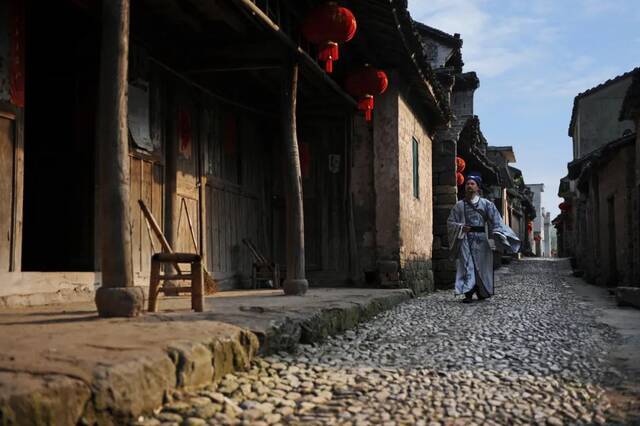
<point>195,276</point>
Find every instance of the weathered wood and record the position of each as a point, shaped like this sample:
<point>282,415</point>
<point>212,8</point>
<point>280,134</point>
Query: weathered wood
<point>197,287</point>
<point>116,265</point>
<point>171,173</point>
<point>255,11</point>
<point>296,282</point>
<point>7,191</point>
<point>18,191</point>
<point>154,282</point>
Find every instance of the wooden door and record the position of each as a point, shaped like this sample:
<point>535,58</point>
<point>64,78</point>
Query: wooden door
<point>7,169</point>
<point>187,180</point>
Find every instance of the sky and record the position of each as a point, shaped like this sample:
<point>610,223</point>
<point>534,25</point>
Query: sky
<point>532,58</point>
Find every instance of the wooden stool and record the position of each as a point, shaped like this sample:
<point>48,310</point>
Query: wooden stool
<point>197,287</point>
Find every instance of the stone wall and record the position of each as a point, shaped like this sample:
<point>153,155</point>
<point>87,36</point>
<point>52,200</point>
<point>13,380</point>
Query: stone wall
<point>386,174</point>
<point>403,223</point>
<point>597,122</point>
<point>362,191</point>
<point>445,196</point>
<point>616,191</point>
<point>416,213</point>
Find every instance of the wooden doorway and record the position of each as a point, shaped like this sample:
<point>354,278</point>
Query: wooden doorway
<point>8,180</point>
<point>62,58</point>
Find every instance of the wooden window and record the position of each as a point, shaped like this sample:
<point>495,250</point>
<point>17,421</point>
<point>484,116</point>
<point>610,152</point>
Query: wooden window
<point>416,169</point>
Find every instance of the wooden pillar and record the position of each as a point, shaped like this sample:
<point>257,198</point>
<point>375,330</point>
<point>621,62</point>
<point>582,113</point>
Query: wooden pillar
<point>117,295</point>
<point>295,283</point>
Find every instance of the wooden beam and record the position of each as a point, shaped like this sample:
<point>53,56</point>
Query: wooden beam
<point>295,283</point>
<point>117,295</point>
<point>253,10</point>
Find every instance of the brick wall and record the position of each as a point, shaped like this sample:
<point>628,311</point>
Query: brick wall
<point>445,196</point>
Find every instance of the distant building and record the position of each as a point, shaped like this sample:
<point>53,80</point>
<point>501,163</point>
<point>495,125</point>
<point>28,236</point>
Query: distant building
<point>538,222</point>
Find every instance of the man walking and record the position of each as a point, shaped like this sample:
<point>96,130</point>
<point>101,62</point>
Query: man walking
<point>470,223</point>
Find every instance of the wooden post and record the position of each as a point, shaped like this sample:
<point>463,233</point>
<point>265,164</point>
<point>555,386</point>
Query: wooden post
<point>295,283</point>
<point>117,295</point>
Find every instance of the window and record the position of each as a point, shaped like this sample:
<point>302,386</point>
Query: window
<point>416,170</point>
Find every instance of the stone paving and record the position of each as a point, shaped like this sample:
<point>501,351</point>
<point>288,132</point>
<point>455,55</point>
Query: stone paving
<point>533,354</point>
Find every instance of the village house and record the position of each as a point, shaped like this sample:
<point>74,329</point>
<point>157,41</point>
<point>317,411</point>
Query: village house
<point>599,223</point>
<point>513,198</point>
<point>228,130</point>
<point>538,222</point>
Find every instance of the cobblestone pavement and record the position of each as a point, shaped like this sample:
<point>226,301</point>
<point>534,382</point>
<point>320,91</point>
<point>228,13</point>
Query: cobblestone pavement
<point>532,354</point>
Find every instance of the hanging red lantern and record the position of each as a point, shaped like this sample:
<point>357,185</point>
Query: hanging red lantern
<point>326,26</point>
<point>530,227</point>
<point>564,206</point>
<point>537,238</point>
<point>460,164</point>
<point>365,83</point>
<point>460,178</point>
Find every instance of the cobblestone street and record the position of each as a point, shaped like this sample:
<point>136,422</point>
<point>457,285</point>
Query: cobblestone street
<point>534,353</point>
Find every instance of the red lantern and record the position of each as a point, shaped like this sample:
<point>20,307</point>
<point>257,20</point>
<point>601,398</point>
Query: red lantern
<point>564,206</point>
<point>460,178</point>
<point>365,83</point>
<point>529,226</point>
<point>537,238</point>
<point>326,26</point>
<point>460,164</point>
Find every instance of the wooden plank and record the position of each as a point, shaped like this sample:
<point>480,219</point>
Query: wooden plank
<point>146,190</point>
<point>135,170</point>
<point>7,191</point>
<point>224,231</point>
<point>215,229</point>
<point>18,194</point>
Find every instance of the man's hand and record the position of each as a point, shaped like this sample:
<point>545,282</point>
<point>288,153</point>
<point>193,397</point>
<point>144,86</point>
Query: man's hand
<point>466,229</point>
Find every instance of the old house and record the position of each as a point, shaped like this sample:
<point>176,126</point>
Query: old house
<point>538,222</point>
<point>602,198</point>
<point>197,107</point>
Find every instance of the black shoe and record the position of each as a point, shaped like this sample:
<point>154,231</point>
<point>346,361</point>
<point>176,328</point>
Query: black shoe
<point>467,300</point>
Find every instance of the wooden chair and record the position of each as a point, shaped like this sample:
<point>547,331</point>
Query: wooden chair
<point>195,276</point>
<point>262,269</point>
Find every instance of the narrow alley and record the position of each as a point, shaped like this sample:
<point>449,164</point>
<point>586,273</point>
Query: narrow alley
<point>540,352</point>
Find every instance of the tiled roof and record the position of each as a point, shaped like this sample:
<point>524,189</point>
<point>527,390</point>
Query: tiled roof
<point>471,148</point>
<point>580,167</point>
<point>593,90</point>
<point>445,38</point>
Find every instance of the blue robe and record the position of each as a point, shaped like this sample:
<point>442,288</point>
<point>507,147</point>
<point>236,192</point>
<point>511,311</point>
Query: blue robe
<point>474,258</point>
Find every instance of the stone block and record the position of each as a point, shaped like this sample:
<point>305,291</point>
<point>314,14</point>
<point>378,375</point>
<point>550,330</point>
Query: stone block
<point>448,178</point>
<point>628,296</point>
<point>446,199</point>
<point>388,266</point>
<point>445,189</point>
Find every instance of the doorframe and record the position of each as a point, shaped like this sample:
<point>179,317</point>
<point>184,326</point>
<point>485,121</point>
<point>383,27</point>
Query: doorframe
<point>16,115</point>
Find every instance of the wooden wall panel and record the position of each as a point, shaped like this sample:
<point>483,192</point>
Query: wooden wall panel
<point>233,215</point>
<point>6,192</point>
<point>146,180</point>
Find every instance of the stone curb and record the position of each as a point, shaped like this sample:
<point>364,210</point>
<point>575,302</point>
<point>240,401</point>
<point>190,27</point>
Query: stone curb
<point>117,394</point>
<point>284,335</point>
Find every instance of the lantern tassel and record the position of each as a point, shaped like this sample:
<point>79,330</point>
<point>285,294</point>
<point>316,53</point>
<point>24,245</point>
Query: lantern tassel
<point>366,105</point>
<point>329,53</point>
<point>328,66</point>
